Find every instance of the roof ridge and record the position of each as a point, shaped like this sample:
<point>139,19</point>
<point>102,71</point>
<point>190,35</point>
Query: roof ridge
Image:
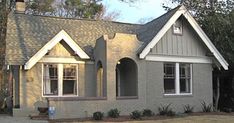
<point>76,19</point>
<point>166,13</point>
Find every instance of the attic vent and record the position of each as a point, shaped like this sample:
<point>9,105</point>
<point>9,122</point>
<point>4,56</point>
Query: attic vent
<point>178,28</point>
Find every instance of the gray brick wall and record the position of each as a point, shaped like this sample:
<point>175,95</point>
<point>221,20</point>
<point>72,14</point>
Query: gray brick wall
<point>150,85</point>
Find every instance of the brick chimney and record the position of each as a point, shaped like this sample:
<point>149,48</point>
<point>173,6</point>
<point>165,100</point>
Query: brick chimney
<point>20,6</point>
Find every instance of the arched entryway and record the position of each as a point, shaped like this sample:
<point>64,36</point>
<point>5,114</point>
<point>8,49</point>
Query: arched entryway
<point>126,78</point>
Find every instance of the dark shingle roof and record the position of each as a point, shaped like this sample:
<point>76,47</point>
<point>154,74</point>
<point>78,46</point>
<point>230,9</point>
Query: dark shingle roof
<point>26,34</point>
<point>147,32</point>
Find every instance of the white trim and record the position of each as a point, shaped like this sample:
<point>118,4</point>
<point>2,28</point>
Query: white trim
<point>206,40</point>
<point>177,78</point>
<point>61,60</point>
<point>62,35</point>
<point>181,59</point>
<point>180,94</point>
<point>191,78</point>
<point>183,11</point>
<point>60,79</point>
<point>60,82</point>
<point>42,82</point>
<point>177,82</point>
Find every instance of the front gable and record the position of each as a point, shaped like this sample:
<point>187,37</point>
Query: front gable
<point>56,44</point>
<point>187,43</point>
<point>193,50</point>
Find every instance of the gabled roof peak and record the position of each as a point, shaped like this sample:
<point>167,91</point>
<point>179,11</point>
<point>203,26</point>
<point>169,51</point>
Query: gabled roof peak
<point>171,19</point>
<point>62,35</point>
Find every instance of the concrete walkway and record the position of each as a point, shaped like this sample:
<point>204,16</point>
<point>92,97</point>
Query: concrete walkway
<point>10,119</point>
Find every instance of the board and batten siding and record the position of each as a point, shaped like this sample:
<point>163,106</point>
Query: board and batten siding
<point>187,44</point>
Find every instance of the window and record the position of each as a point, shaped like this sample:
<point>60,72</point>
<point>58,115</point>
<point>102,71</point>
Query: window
<point>177,78</point>
<point>69,80</point>
<point>59,80</point>
<point>177,28</point>
<point>50,80</point>
<point>169,78</point>
<point>185,78</point>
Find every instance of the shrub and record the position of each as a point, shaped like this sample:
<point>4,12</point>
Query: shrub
<point>188,108</point>
<point>205,107</point>
<point>114,113</point>
<point>147,112</point>
<point>171,113</point>
<point>166,110</point>
<point>136,114</point>
<point>227,110</point>
<point>98,115</point>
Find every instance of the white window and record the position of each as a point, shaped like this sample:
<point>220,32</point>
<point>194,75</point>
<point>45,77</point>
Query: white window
<point>185,78</point>
<point>169,78</point>
<point>177,78</point>
<point>50,79</point>
<point>60,80</point>
<point>178,28</point>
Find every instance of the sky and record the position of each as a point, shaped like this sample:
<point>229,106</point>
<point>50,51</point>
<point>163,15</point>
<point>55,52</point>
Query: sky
<point>141,11</point>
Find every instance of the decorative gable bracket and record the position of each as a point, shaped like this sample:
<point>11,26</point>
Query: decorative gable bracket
<point>62,35</point>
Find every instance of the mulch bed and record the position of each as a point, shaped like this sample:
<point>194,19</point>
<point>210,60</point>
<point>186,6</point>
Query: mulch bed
<point>128,118</point>
<point>108,119</point>
<point>39,117</point>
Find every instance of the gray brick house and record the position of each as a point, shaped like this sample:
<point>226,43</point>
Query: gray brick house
<point>81,66</point>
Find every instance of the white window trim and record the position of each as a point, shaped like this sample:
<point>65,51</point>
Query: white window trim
<point>177,79</point>
<point>63,60</point>
<point>179,59</point>
<point>60,81</point>
<point>177,82</point>
<point>177,32</point>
